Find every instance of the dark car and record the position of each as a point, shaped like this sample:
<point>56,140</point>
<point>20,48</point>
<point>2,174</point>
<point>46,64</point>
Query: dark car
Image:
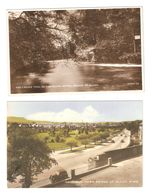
<point>57,174</point>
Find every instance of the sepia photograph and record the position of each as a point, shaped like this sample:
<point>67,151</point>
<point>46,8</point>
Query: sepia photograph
<point>79,50</point>
<point>74,144</point>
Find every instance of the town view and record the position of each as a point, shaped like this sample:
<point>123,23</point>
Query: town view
<point>74,144</point>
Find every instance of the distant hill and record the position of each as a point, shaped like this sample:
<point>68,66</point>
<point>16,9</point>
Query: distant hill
<point>15,119</point>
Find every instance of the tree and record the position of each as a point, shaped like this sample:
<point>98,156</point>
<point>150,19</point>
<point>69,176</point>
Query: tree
<point>57,138</point>
<point>84,139</point>
<point>133,126</point>
<point>39,36</point>
<point>46,139</point>
<point>85,142</point>
<point>35,37</point>
<point>108,31</point>
<point>104,135</point>
<point>71,142</point>
<point>95,137</point>
<point>27,156</point>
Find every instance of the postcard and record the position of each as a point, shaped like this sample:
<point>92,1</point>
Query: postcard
<point>74,144</point>
<point>77,50</point>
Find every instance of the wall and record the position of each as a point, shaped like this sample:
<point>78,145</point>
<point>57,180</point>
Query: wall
<point>116,155</point>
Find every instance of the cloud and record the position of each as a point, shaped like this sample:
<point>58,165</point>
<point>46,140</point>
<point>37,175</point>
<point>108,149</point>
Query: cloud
<point>89,114</point>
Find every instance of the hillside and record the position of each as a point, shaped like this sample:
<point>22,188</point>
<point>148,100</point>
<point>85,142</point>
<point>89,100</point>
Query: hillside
<point>15,119</point>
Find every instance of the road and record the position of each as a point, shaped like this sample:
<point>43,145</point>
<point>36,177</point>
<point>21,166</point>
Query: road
<point>79,160</point>
<point>67,75</point>
<point>127,173</point>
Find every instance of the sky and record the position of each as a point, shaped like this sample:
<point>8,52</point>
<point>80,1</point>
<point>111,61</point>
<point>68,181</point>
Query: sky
<point>77,111</point>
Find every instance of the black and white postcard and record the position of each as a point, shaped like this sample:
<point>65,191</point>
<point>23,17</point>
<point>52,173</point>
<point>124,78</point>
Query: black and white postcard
<point>79,50</point>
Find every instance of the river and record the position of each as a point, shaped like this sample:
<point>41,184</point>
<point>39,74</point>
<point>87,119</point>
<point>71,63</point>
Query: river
<point>70,76</point>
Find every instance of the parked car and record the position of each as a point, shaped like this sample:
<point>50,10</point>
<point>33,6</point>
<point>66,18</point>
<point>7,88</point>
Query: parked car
<point>57,174</point>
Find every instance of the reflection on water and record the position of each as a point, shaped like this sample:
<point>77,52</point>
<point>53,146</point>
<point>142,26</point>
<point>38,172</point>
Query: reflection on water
<point>63,76</point>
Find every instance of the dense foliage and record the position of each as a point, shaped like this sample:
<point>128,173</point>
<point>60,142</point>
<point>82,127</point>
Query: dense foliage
<point>27,156</point>
<point>101,35</point>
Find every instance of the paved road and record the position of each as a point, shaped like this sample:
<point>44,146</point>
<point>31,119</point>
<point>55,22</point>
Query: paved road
<point>127,173</point>
<point>79,160</point>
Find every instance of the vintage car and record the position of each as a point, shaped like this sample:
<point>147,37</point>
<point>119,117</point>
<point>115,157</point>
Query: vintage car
<point>57,174</point>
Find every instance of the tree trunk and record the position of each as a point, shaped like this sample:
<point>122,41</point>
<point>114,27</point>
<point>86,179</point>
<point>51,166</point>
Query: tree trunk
<point>27,178</point>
